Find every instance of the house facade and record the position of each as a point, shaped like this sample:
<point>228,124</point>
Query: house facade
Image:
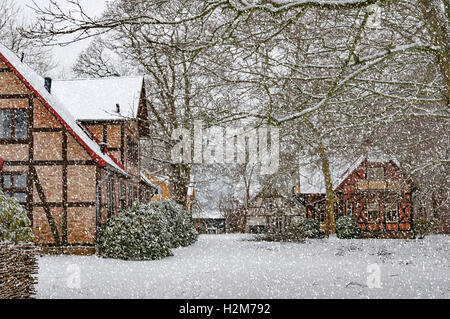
<point>373,188</point>
<point>70,150</point>
<point>268,209</point>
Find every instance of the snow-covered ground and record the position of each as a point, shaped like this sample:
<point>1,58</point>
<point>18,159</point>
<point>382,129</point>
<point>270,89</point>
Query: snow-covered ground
<point>231,266</point>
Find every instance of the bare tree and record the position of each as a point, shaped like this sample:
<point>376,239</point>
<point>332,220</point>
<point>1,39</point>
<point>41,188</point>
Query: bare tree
<point>11,36</point>
<point>321,70</point>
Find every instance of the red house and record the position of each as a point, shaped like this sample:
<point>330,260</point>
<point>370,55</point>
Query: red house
<point>71,150</point>
<point>373,188</point>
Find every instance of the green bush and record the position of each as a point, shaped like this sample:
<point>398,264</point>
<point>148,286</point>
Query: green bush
<point>15,226</point>
<point>423,226</point>
<point>147,232</point>
<point>180,224</point>
<point>346,227</point>
<point>296,232</point>
<point>305,228</point>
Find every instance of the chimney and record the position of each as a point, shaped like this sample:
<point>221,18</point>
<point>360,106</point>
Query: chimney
<point>48,84</point>
<point>117,108</point>
<point>102,147</point>
<point>22,57</point>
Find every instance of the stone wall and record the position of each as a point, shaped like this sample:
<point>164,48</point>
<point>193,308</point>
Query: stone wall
<point>18,270</point>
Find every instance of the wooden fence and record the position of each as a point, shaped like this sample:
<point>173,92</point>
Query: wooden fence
<point>18,270</point>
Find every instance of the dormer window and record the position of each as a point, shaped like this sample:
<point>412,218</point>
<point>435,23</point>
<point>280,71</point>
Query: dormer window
<point>375,173</point>
<point>13,124</point>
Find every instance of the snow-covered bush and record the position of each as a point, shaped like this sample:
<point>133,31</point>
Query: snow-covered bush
<point>148,231</point>
<point>305,228</point>
<point>181,227</point>
<point>15,226</point>
<point>141,233</point>
<point>423,226</point>
<point>298,231</point>
<point>346,227</point>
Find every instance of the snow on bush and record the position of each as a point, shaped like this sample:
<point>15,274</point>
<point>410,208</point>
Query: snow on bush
<point>305,228</point>
<point>15,226</point>
<point>147,232</point>
<point>346,227</point>
<point>296,232</point>
<point>180,223</point>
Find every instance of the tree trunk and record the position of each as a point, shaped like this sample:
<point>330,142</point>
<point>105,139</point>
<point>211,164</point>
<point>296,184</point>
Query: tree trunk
<point>330,227</point>
<point>180,183</point>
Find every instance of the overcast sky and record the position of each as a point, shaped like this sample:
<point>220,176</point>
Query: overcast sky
<point>66,55</point>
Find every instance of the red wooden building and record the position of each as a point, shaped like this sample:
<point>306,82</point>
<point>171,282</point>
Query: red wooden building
<point>373,188</point>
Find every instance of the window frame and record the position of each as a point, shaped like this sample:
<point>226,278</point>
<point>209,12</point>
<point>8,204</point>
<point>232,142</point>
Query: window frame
<point>130,195</point>
<point>369,211</point>
<point>387,212</point>
<point>320,211</point>
<point>111,197</point>
<point>12,189</point>
<point>123,195</point>
<point>376,177</point>
<point>132,151</point>
<point>349,209</point>
<point>13,125</point>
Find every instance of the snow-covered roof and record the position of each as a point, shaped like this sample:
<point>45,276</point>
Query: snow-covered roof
<point>213,214</point>
<point>97,99</point>
<point>146,180</point>
<point>36,83</point>
<point>311,176</point>
<point>156,177</point>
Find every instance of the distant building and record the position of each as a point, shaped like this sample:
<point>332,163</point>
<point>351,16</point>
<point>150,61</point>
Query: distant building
<point>268,209</point>
<point>373,188</point>
<point>209,223</point>
<point>162,189</point>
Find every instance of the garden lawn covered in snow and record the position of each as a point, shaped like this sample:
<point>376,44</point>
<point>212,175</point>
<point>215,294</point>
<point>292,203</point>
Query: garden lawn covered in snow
<point>232,266</point>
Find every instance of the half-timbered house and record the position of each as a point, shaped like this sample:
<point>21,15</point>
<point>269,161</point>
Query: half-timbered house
<point>373,188</point>
<point>268,209</point>
<point>70,149</point>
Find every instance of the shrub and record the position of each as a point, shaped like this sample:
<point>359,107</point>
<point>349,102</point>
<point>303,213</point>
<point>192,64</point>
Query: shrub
<point>423,226</point>
<point>296,232</point>
<point>346,227</point>
<point>180,224</point>
<point>137,234</point>
<point>147,232</point>
<point>15,226</point>
<point>305,228</point>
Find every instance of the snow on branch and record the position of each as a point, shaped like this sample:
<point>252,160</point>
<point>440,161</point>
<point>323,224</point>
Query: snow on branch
<point>57,21</point>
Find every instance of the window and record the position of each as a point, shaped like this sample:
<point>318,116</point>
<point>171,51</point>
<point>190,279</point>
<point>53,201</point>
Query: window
<point>391,211</point>
<point>349,209</point>
<point>373,212</point>
<point>15,185</point>
<point>375,173</point>
<point>278,223</point>
<point>111,197</point>
<point>130,195</point>
<point>320,212</point>
<point>13,123</point>
<point>338,211</point>
<point>132,151</point>
<point>123,195</point>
